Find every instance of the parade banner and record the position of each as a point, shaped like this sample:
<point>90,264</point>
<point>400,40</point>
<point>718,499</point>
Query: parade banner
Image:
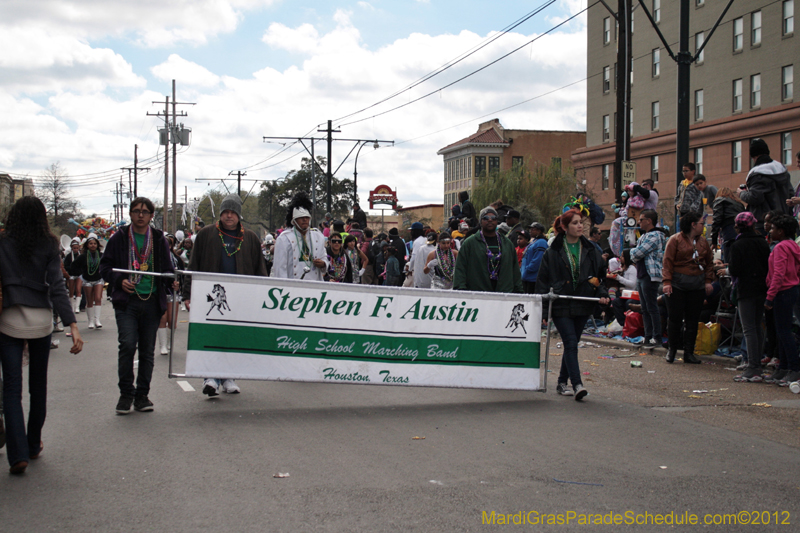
<point>245,327</point>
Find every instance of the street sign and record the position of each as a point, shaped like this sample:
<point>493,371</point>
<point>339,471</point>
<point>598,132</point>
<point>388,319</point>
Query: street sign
<point>628,172</point>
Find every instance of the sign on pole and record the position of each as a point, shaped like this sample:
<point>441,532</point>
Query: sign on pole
<point>628,172</point>
<point>245,327</point>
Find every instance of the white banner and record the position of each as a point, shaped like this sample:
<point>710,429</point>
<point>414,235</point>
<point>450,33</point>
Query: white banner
<point>245,327</point>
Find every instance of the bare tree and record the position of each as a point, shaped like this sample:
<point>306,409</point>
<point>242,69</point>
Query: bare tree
<point>53,191</point>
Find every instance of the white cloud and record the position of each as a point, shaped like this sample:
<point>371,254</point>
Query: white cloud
<point>93,130</point>
<point>175,67</point>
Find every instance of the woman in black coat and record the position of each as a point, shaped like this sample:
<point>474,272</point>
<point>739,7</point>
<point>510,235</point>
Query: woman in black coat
<point>572,266</point>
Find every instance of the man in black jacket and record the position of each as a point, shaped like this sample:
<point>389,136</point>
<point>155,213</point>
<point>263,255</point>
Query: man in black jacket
<point>768,185</point>
<point>139,301</point>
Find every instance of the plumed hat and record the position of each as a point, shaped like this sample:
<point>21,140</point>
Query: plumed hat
<point>300,202</point>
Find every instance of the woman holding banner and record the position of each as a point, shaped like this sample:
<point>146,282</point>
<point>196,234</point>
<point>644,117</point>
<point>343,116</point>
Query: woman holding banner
<point>572,266</point>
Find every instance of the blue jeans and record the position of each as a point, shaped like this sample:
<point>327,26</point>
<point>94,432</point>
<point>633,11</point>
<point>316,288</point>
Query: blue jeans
<point>648,297</point>
<point>787,349</point>
<point>570,329</point>
<point>137,325</point>
<point>22,446</point>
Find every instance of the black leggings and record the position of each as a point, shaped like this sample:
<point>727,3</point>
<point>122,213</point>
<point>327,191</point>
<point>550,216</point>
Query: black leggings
<point>684,306</point>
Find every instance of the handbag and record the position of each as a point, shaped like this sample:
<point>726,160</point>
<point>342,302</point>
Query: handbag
<point>685,282</point>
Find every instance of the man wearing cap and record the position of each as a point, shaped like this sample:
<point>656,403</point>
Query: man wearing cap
<point>768,185</point>
<point>512,219</point>
<point>532,258</point>
<point>487,261</point>
<point>299,250</point>
<point>225,248</point>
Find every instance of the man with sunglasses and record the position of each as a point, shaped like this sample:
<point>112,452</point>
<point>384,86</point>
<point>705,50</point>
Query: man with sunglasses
<point>139,301</point>
<point>487,261</point>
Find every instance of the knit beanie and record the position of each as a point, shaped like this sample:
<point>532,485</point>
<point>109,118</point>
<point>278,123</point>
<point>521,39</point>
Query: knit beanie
<point>232,202</point>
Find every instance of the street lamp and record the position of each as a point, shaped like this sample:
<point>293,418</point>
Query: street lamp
<point>375,145</point>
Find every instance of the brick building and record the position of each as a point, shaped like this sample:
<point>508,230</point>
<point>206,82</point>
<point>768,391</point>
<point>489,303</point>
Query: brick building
<point>493,148</point>
<point>742,87</point>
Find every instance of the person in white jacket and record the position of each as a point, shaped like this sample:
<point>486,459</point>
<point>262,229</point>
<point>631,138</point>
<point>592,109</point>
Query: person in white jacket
<point>419,261</point>
<point>299,250</point>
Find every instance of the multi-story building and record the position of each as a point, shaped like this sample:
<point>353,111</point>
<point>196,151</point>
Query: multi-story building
<point>742,87</point>
<point>493,148</point>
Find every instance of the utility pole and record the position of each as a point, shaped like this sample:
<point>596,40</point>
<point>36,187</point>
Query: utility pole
<point>329,174</point>
<point>239,175</point>
<point>135,168</point>
<point>684,59</point>
<point>171,134</point>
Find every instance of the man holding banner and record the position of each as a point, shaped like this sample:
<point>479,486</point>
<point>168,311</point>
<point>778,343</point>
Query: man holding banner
<point>487,260</point>
<point>299,251</point>
<point>139,301</point>
<point>226,248</point>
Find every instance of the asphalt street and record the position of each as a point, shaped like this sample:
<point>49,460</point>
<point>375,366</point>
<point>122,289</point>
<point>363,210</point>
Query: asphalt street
<point>638,444</point>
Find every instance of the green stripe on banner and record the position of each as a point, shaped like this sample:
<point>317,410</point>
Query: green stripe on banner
<point>322,344</point>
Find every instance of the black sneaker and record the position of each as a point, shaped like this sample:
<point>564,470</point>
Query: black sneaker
<point>124,405</point>
<point>750,375</point>
<point>793,375</point>
<point>142,403</point>
<point>563,389</point>
<point>776,376</point>
<point>580,392</point>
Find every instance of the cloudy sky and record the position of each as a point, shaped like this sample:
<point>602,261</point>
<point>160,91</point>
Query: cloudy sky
<point>77,79</point>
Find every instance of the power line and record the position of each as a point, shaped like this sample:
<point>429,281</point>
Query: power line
<point>464,55</point>
<point>475,71</point>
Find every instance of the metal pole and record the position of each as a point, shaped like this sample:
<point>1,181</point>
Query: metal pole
<point>166,167</point>
<point>682,130</point>
<point>330,165</point>
<point>174,224</point>
<point>135,170</point>
<point>547,342</point>
<point>313,188</point>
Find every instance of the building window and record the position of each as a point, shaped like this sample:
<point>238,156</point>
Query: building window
<point>788,17</point>
<point>786,148</point>
<point>556,163</point>
<point>699,39</point>
<point>657,10</point>
<point>738,34</point>
<point>654,168</point>
<point>698,104</point>
<point>516,161</point>
<point>656,109</point>
<point>656,62</point>
<point>615,125</point>
<point>606,133</point>
<point>755,28</point>
<point>698,160</point>
<point>699,3</point>
<point>605,177</point>
<point>737,95</point>
<point>630,132</point>
<point>480,166</point>
<point>737,156</point>
<point>632,19</point>
<point>787,81</point>
<point>606,79</point>
<point>494,165</point>
<point>606,30</point>
<point>615,76</point>
<point>755,90</point>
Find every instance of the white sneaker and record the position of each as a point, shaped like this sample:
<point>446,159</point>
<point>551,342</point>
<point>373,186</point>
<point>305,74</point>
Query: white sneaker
<point>210,386</point>
<point>162,340</point>
<point>230,386</point>
<point>183,306</point>
<point>90,315</point>
<point>97,310</point>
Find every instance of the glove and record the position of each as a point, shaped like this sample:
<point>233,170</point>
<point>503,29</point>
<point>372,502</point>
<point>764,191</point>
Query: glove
<point>361,272</point>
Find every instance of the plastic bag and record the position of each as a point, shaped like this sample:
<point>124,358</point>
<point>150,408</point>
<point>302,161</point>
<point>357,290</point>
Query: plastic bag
<point>634,325</point>
<point>614,327</point>
<point>708,336</point>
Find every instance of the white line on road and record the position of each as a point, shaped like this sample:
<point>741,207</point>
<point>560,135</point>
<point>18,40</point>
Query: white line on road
<point>186,386</point>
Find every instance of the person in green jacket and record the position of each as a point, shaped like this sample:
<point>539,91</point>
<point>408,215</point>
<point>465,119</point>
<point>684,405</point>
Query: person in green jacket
<point>487,260</point>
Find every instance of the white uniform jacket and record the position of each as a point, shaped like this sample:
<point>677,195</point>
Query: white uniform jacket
<point>286,262</point>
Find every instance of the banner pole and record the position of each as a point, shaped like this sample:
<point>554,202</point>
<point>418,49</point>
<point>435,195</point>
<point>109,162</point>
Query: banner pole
<point>551,297</point>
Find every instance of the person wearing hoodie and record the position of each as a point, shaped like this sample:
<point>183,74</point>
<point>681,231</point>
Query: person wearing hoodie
<point>782,293</point>
<point>725,207</point>
<point>572,266</point>
<point>749,267</point>
<point>467,209</point>
<point>768,185</point>
<point>648,255</point>
<point>689,198</point>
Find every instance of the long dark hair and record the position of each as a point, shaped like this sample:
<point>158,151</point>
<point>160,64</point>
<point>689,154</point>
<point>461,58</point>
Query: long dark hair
<point>27,226</point>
